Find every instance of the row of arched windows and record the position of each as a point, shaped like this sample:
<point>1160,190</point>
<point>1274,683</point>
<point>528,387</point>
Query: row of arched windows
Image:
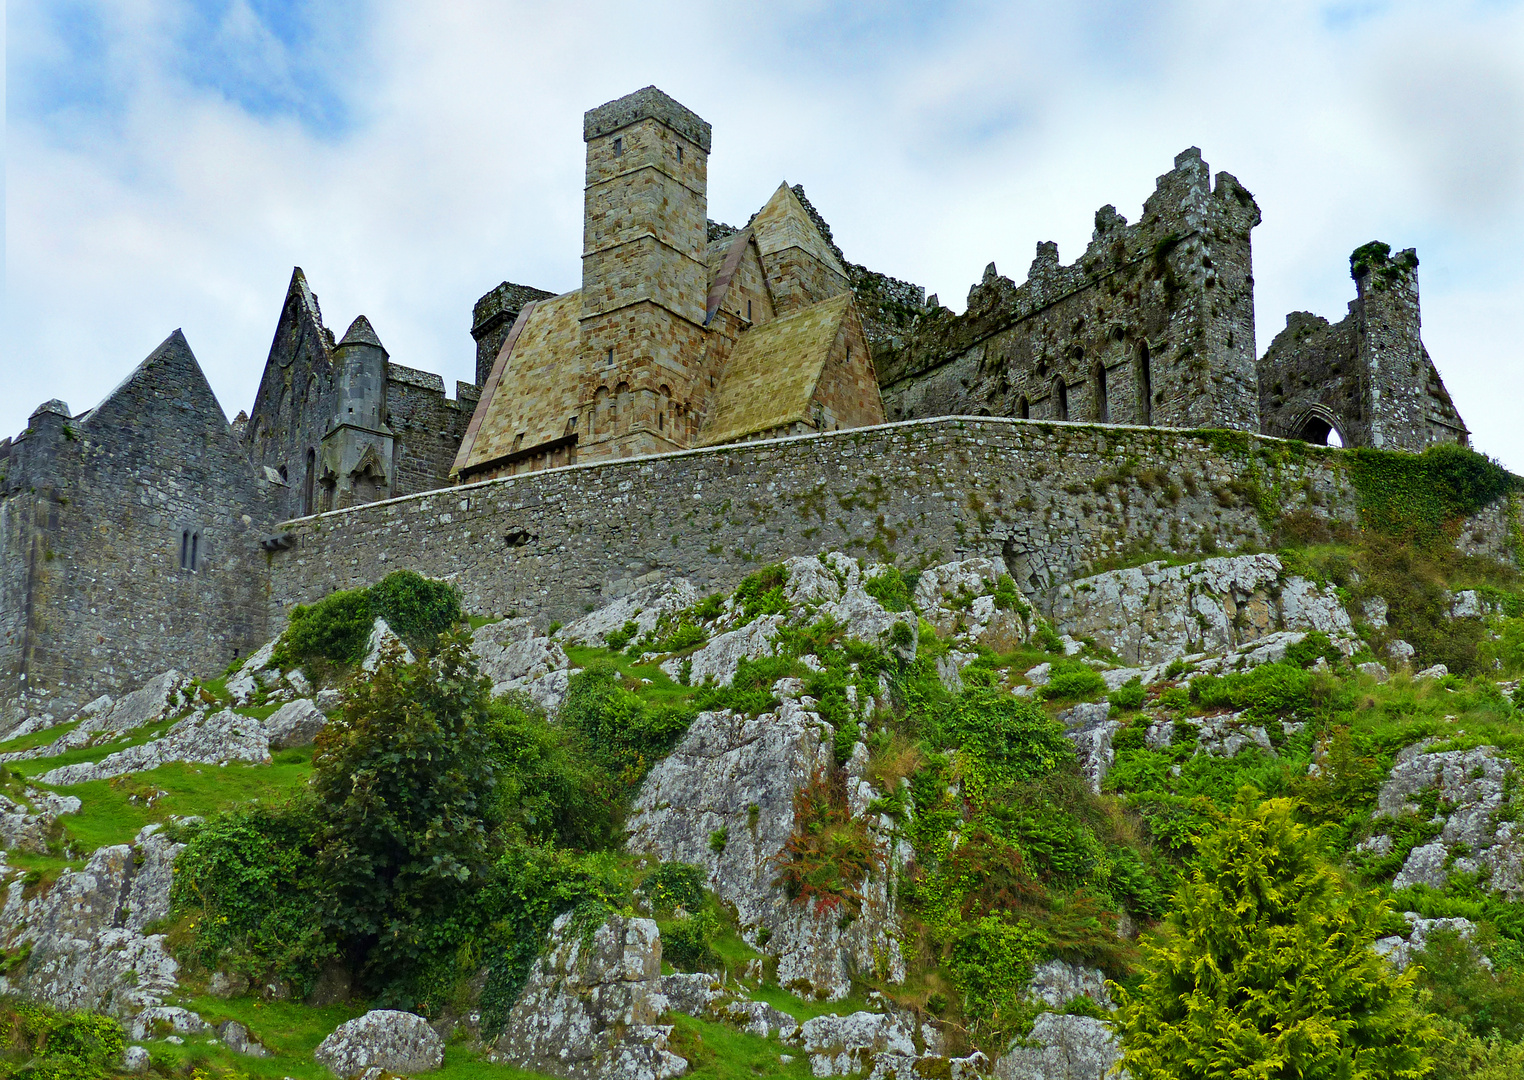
<point>1100,396</point>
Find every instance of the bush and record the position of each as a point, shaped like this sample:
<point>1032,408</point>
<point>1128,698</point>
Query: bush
<point>1130,695</point>
<point>1071,680</point>
<point>618,639</point>
<point>1267,968</point>
<point>674,885</point>
<point>1009,738</point>
<point>761,593</point>
<point>248,879</point>
<point>547,787</point>
<point>43,1043</point>
<point>1268,692</point>
<point>418,609</point>
<point>830,854</point>
<point>991,963</point>
<point>889,589</point>
<point>1461,989</point>
<point>688,943</point>
<point>337,627</point>
<point>618,730</point>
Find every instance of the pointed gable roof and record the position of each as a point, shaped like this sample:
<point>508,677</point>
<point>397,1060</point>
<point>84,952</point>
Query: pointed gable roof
<point>784,223</point>
<point>168,378</point>
<point>772,373</point>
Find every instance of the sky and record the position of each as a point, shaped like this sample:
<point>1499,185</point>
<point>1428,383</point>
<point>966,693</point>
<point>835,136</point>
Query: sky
<point>167,162</point>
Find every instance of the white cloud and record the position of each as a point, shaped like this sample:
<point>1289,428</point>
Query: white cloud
<point>934,139</point>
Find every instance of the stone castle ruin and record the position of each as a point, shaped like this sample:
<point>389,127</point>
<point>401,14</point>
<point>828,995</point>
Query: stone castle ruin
<point>147,532</point>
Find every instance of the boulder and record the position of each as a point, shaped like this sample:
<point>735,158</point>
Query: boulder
<point>236,1038</point>
<point>382,645</point>
<point>1089,729</point>
<point>718,659</point>
<point>589,1009</point>
<point>513,655</point>
<point>644,607</point>
<point>135,1060</point>
<point>1373,670</point>
<point>1063,1048</point>
<point>864,618</point>
<point>844,1045</point>
<point>295,723</point>
<point>1402,950</point>
<point>394,1041</point>
<point>1056,982</point>
<point>1438,671</point>
<point>245,683</point>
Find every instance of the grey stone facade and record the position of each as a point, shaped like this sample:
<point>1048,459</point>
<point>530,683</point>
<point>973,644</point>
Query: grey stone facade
<point>129,541</point>
<point>1154,324</point>
<point>1368,377</point>
<point>1046,500</point>
<point>302,426</point>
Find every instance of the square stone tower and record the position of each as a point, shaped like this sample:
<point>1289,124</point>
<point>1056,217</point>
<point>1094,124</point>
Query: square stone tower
<point>644,273</point>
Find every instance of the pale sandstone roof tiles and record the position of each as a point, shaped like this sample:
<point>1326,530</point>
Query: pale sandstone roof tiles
<point>784,223</point>
<point>773,372</point>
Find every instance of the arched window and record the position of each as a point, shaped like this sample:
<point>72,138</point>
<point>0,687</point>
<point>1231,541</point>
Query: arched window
<point>1023,408</point>
<point>1098,385</point>
<point>1145,386</point>
<point>190,549</point>
<point>307,482</point>
<point>1060,400</point>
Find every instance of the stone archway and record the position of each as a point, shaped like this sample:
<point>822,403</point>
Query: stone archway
<point>1318,424</point>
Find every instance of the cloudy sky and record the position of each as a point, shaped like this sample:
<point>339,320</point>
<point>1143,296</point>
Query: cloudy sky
<point>167,162</point>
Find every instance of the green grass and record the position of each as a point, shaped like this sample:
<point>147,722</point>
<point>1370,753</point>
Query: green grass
<point>259,712</point>
<point>37,738</point>
<point>479,621</point>
<point>114,810</point>
<point>91,754</point>
<point>662,690</point>
<point>723,1053</point>
<point>803,1009</point>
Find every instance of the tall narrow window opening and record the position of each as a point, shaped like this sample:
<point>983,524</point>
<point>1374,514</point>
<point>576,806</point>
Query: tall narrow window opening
<point>611,358</point>
<point>679,153</point>
<point>1060,400</point>
<point>307,483</point>
<point>195,553</point>
<point>748,311</point>
<point>618,147</point>
<point>1145,386</point>
<point>1023,408</point>
<point>1102,407</point>
<point>184,549</point>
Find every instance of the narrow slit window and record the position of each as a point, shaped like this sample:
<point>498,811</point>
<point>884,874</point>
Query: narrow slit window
<point>185,549</point>
<point>679,154</point>
<point>748,311</point>
<point>618,147</point>
<point>611,358</point>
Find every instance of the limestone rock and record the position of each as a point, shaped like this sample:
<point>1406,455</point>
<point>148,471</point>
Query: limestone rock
<point>135,1060</point>
<point>844,1045</point>
<point>1401,951</point>
<point>960,594</point>
<point>236,1038</point>
<point>23,830</point>
<point>1374,670</point>
<point>814,580</point>
<point>1468,604</point>
<point>397,1042</point>
<point>703,996</point>
<point>589,1009</point>
<point>245,681</point>
<point>1399,651</point>
<point>722,655</point>
<point>295,723</point>
<point>864,618</point>
<point>160,697</point>
<point>513,655</point>
<point>329,702</point>
<point>1438,671</point>
<point>85,932</point>
<point>1058,981</point>
<point>383,644</point>
<point>1154,613</point>
<point>1375,611</point>
<point>1064,1048</point>
<point>222,736</point>
<point>643,607</point>
<point>1088,728</point>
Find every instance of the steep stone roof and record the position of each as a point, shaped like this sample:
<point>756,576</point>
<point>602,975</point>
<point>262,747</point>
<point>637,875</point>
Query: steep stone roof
<point>784,223</point>
<point>536,385</point>
<point>360,332</point>
<point>773,372</point>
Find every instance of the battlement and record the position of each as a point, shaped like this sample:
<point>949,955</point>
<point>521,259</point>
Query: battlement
<point>647,103</point>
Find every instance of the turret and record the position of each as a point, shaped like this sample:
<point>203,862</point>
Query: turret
<point>357,451</point>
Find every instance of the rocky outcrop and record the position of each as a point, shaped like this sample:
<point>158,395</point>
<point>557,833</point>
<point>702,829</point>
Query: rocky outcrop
<point>514,656</point>
<point>1472,789</point>
<point>718,660</point>
<point>644,607</point>
<point>958,599</point>
<point>1401,950</point>
<point>207,739</point>
<point>1063,1048</point>
<point>704,996</point>
<point>1089,729</point>
<point>382,645</point>
<point>161,697</point>
<point>85,935</point>
<point>295,723</point>
<point>1057,982</point>
<point>589,1009</point>
<point>385,1039</point>
<point>1154,613</point>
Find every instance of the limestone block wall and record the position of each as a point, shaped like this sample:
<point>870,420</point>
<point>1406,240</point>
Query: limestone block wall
<point>1049,499</point>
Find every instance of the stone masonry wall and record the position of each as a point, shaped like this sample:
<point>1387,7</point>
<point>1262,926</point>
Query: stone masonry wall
<point>1049,499</point>
<point>427,426</point>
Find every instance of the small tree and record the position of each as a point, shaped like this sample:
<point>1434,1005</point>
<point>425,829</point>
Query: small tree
<point>1265,969</point>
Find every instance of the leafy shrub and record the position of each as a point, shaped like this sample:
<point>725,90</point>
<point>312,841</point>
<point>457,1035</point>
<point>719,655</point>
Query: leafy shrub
<point>1503,649</point>
<point>335,629</point>
<point>620,731</point>
<point>1268,692</point>
<point>1462,989</point>
<point>1008,597</point>
<point>549,787</point>
<point>761,593</point>
<point>250,881</point>
<point>684,636</point>
<point>688,943</point>
<point>1071,680</point>
<point>674,885</point>
<point>417,608</point>
<point>830,854</point>
<point>1460,1055</point>
<point>1010,738</point>
<point>889,589</point>
<point>709,608</point>
<point>1315,645</point>
<point>1130,695</point>
<point>1268,960</point>
<point>991,963</point>
<point>43,1043</point>
<point>618,639</point>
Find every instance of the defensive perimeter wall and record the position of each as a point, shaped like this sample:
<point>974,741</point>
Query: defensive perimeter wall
<point>1050,499</point>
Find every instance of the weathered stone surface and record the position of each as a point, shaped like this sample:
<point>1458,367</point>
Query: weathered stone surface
<point>245,681</point>
<point>704,996</point>
<point>222,736</point>
<point>1373,670</point>
<point>844,1045</point>
<point>957,598</point>
<point>1155,613</point>
<point>866,619</point>
<point>589,1009</point>
<point>1438,671</point>
<point>1399,651</point>
<point>644,606</point>
<point>382,644</point>
<point>295,723</point>
<point>719,658</point>
<point>1400,951</point>
<point>1066,1048</point>
<point>85,932</point>
<point>158,698</point>
<point>740,775</point>
<point>135,1059</point>
<point>397,1042</point>
<point>1088,728</point>
<point>513,655</point>
<point>1055,982</point>
<point>236,1038</point>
